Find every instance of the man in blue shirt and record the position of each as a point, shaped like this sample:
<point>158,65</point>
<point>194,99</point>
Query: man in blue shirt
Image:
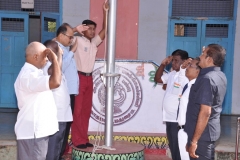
<point>64,39</point>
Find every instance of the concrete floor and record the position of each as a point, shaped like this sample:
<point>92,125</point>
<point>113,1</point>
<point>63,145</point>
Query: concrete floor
<point>227,140</point>
<point>226,143</point>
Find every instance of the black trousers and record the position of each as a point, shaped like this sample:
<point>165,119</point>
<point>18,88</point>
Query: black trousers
<point>55,142</point>
<point>205,150</point>
<point>68,126</point>
<point>172,135</point>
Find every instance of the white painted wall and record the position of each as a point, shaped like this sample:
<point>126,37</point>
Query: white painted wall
<point>236,67</point>
<point>75,11</point>
<point>153,28</point>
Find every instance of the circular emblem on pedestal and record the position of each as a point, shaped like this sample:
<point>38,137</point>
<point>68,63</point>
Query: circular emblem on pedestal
<point>127,96</point>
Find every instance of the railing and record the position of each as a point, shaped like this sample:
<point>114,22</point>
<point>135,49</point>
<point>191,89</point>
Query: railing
<point>237,138</point>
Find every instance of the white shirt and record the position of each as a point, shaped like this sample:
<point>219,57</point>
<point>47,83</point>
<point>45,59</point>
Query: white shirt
<point>61,98</point>
<point>37,116</point>
<point>175,82</point>
<point>183,104</point>
<point>69,69</point>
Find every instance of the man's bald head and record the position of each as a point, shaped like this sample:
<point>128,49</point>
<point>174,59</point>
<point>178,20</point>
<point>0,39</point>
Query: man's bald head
<point>34,48</point>
<point>35,54</point>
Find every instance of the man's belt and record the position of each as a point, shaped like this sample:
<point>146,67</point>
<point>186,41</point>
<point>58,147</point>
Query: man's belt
<point>181,127</point>
<point>85,74</point>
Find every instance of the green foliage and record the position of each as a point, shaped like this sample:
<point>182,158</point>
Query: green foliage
<point>52,26</point>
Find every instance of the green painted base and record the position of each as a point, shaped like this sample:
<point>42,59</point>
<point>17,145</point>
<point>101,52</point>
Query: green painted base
<point>80,155</point>
<point>124,151</point>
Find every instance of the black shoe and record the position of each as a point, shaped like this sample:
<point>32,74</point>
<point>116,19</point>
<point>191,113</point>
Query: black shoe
<point>89,145</point>
<point>81,146</point>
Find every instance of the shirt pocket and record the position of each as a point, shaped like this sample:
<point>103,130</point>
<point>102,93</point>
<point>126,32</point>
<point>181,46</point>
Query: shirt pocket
<point>176,90</point>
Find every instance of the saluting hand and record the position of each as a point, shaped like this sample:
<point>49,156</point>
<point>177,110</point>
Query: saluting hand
<point>167,60</point>
<point>73,47</point>
<point>50,54</point>
<point>186,63</point>
<point>81,28</point>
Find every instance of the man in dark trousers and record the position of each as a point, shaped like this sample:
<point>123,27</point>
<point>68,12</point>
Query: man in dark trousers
<point>85,56</point>
<point>205,104</point>
<point>175,81</point>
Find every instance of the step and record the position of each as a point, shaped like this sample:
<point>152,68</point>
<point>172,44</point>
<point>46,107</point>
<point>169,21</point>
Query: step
<point>225,150</point>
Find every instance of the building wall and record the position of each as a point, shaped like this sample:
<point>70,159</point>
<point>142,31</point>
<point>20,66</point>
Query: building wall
<point>75,11</point>
<point>236,66</point>
<point>148,20</point>
<point>153,28</point>
<point>126,27</point>
<point>152,34</point>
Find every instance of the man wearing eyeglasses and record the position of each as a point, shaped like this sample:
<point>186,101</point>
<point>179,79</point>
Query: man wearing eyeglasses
<point>85,59</point>
<point>191,69</point>
<point>65,39</point>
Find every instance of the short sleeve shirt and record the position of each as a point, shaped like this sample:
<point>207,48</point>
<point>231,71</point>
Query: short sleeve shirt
<point>175,82</point>
<point>69,69</point>
<point>37,116</point>
<point>209,89</point>
<point>86,53</point>
<point>61,98</point>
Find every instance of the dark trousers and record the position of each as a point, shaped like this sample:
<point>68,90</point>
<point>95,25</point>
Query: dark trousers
<point>82,111</point>
<point>55,142</point>
<point>205,150</point>
<point>172,135</point>
<point>68,126</point>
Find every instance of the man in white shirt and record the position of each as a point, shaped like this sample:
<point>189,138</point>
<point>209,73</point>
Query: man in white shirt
<point>191,69</point>
<point>62,101</point>
<point>175,82</point>
<point>37,117</point>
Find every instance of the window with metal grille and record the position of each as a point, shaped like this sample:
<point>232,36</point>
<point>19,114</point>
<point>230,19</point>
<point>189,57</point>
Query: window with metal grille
<point>203,8</point>
<point>185,30</point>
<point>217,30</point>
<point>39,6</point>
<point>12,24</point>
<point>50,24</point>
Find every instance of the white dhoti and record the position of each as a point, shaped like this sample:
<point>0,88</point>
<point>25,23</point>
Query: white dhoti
<point>182,141</point>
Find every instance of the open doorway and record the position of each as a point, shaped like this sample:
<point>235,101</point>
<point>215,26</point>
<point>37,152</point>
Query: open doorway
<point>34,29</point>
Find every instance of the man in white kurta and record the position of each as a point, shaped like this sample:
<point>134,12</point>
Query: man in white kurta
<point>62,101</point>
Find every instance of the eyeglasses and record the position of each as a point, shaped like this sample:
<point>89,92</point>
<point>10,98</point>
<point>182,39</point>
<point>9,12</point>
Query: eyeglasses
<point>70,37</point>
<point>192,66</point>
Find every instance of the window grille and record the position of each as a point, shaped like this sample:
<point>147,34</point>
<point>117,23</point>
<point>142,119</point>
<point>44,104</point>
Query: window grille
<point>203,8</point>
<point>185,30</point>
<point>217,30</point>
<point>12,24</point>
